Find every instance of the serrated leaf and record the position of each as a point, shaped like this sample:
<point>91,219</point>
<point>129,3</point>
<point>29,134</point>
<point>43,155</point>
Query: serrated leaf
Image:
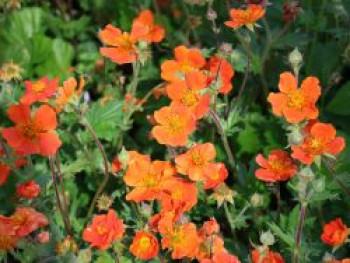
<point>249,141</point>
<point>105,119</point>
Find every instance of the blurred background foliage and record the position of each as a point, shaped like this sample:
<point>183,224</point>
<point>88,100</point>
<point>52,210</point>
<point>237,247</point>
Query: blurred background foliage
<point>59,38</point>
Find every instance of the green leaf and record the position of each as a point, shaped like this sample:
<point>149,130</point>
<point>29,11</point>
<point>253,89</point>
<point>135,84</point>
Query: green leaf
<point>25,24</point>
<point>105,119</point>
<point>249,140</point>
<point>340,103</point>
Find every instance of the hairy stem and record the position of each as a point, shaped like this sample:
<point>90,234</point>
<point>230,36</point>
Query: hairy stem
<point>302,216</point>
<point>106,168</point>
<point>59,204</point>
<point>63,192</point>
<point>227,147</point>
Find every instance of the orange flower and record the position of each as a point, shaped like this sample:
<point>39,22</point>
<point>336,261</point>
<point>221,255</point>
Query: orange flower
<point>335,233</point>
<point>220,257</point>
<point>279,167</point>
<point>70,91</point>
<point>26,220</point>
<point>28,190</point>
<point>210,242</point>
<point>147,178</point>
<point>175,124</point>
<point>188,93</point>
<point>220,69</point>
<point>186,59</point>
<point>4,169</point>
<point>143,28</point>
<point>209,246</point>
<point>123,48</point>
<point>295,104</point>
<point>179,195</point>
<point>8,238</point>
<point>196,162</point>
<point>270,257</point>
<point>319,140</point>
<point>32,135</point>
<point>218,174</point>
<point>248,17</point>
<point>8,242</point>
<point>39,90</point>
<point>104,230</point>
<point>182,239</point>
<point>144,246</point>
<point>210,227</point>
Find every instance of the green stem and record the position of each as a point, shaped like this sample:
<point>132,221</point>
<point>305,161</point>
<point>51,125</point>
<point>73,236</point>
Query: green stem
<point>106,167</point>
<point>302,216</point>
<point>63,192</point>
<point>59,204</point>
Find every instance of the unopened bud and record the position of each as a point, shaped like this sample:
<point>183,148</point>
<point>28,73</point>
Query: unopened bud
<point>226,48</point>
<point>257,200</point>
<point>211,15</point>
<point>295,60</point>
<point>267,238</point>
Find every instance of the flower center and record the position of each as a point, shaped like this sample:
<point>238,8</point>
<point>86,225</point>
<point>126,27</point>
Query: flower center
<point>30,130</point>
<point>151,180</point>
<point>145,243</point>
<point>276,165</point>
<point>316,146</point>
<point>101,230</point>
<point>177,236</point>
<point>197,158</point>
<point>189,99</point>
<point>296,99</point>
<point>39,87</point>
<point>177,194</point>
<point>175,125</point>
<point>19,219</point>
<point>126,41</point>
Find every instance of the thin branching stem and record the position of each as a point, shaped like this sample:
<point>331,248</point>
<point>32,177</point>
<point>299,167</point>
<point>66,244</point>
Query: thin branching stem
<point>63,192</point>
<point>59,204</point>
<point>224,139</point>
<point>106,167</point>
<point>302,216</point>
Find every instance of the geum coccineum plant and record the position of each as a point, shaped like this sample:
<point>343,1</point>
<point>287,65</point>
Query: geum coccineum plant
<point>192,200</point>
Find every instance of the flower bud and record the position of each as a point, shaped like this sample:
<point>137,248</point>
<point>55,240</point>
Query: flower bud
<point>104,202</point>
<point>257,200</point>
<point>43,237</point>
<point>84,255</point>
<point>295,60</point>
<point>211,15</point>
<point>267,238</point>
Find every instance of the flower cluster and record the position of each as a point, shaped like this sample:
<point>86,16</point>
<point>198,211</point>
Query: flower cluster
<point>310,139</point>
<point>23,222</point>
<point>192,84</point>
<point>123,46</point>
